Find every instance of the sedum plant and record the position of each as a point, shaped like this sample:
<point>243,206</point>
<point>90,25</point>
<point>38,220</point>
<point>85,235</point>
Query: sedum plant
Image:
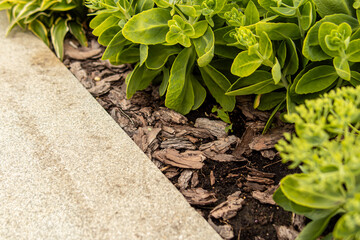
<point>326,147</point>
<point>294,51</point>
<point>48,19</point>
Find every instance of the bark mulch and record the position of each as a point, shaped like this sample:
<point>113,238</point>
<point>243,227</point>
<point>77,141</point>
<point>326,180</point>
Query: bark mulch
<point>228,178</point>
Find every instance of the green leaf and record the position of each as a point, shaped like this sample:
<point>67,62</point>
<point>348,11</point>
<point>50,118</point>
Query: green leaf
<point>165,82</point>
<point>260,82</point>
<point>159,54</point>
<point>314,229</point>
<point>199,92</point>
<point>188,10</point>
<point>218,84</point>
<point>180,94</point>
<point>355,78</point>
<point>329,7</point>
<point>265,46</point>
<point>281,53</point>
<point>270,100</point>
<point>316,79</point>
<point>284,11</point>
<point>115,46</point>
<point>139,79</point>
<point>306,17</point>
<point>200,28</point>
<point>97,20</point>
<point>148,27</point>
<point>311,48</point>
<point>226,51</point>
<point>58,32</point>
<point>128,55</point>
<point>342,68</point>
<point>251,14</point>
<point>109,22</point>
<point>292,59</point>
<point>348,226</point>
<point>297,188</point>
<point>204,47</point>
<point>144,53</point>
<point>62,6</point>
<point>106,37</point>
<point>4,5</point>
<point>272,116</point>
<point>276,71</point>
<point>279,31</point>
<point>325,29</point>
<point>78,32</point>
<point>245,64</point>
<point>143,5</point>
<point>39,29</point>
<point>353,51</point>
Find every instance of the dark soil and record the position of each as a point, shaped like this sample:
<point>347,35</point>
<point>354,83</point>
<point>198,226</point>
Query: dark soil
<point>254,166</point>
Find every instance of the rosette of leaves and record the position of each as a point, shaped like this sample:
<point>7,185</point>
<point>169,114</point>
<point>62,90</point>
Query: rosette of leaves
<point>171,42</point>
<point>48,19</point>
<point>326,147</point>
<point>292,50</point>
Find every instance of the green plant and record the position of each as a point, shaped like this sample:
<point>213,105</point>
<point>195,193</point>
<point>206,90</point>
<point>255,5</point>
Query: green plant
<point>296,50</point>
<point>326,147</point>
<point>48,18</point>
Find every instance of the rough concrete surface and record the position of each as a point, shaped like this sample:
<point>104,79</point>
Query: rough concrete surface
<point>67,170</point>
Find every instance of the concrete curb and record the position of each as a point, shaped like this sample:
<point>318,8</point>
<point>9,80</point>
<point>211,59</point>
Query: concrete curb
<point>67,170</point>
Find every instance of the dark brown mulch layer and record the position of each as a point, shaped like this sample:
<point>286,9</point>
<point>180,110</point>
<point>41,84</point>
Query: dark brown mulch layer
<point>228,178</point>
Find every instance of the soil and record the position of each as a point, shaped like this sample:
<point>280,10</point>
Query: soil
<point>227,178</point>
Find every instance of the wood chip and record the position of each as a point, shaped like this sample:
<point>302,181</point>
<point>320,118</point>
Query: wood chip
<point>171,172</point>
<point>170,116</point>
<point>112,78</point>
<point>256,173</point>
<point>215,127</point>
<point>220,146</point>
<point>270,154</point>
<point>242,146</point>
<point>260,180</point>
<point>187,159</point>
<point>195,179</point>
<point>80,53</point>
<point>194,131</point>
<point>184,179</point>
<point>286,233</point>
<point>199,196</point>
<point>268,141</point>
<point>178,143</point>
<point>100,89</point>
<point>298,221</point>
<point>229,208</point>
<point>225,231</point>
<point>251,186</point>
<point>222,157</point>
<point>81,75</point>
<point>212,178</point>
<point>265,197</point>
<point>145,136</point>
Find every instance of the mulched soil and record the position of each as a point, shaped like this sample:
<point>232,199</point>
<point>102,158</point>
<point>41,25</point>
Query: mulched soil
<point>228,178</point>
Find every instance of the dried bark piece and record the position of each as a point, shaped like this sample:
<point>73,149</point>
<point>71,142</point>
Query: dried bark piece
<point>168,129</point>
<point>228,209</point>
<point>145,136</point>
<point>268,141</point>
<point>80,53</point>
<point>81,75</point>
<point>212,178</point>
<point>298,221</point>
<point>260,180</point>
<point>184,179</point>
<point>250,113</point>
<point>257,173</point>
<point>220,146</point>
<point>178,143</point>
<point>100,89</point>
<point>251,186</point>
<point>199,196</point>
<point>222,157</point>
<point>270,154</point>
<point>215,127</point>
<point>286,233</point>
<point>112,78</point>
<point>242,147</point>
<point>195,179</point>
<point>265,197</point>
<point>187,159</point>
<point>196,132</point>
<point>225,231</point>
<point>171,172</point>
<point>170,116</point>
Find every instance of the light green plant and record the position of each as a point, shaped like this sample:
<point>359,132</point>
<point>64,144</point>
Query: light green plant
<point>48,19</point>
<point>326,147</point>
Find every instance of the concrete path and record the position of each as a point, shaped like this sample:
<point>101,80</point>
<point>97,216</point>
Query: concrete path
<point>67,170</point>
